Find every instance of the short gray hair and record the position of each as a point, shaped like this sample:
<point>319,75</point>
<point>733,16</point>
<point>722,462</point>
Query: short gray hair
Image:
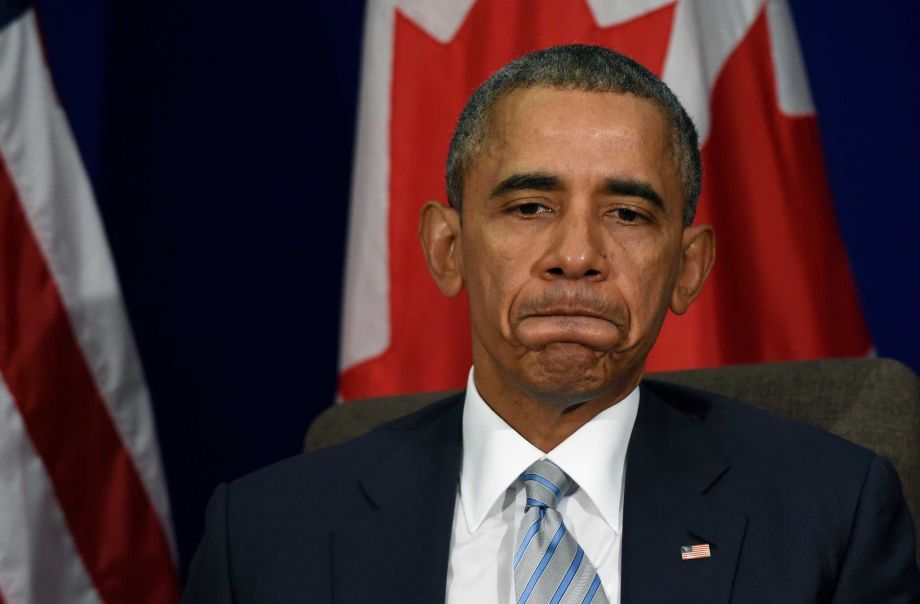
<point>575,67</point>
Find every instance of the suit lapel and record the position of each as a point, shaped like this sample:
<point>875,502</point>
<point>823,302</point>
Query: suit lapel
<point>669,466</point>
<point>399,553</point>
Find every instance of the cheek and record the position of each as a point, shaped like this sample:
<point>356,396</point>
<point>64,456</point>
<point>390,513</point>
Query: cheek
<point>492,280</point>
<point>486,276</point>
<point>646,277</point>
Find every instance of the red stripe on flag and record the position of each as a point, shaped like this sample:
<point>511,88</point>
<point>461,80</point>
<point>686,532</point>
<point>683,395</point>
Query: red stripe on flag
<point>111,518</point>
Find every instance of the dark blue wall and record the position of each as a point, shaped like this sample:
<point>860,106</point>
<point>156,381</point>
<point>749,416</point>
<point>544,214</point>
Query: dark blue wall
<point>219,139</point>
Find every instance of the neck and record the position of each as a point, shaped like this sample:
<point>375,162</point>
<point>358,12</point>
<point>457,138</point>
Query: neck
<point>547,419</point>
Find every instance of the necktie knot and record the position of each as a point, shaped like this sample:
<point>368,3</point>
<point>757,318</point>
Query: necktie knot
<point>545,484</point>
<point>549,565</point>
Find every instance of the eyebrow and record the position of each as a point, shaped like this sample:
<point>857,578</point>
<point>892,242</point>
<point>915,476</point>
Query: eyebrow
<point>633,188</point>
<point>541,181</point>
<point>528,181</point>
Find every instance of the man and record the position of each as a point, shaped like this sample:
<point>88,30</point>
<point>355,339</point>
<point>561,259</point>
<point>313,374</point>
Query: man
<point>572,178</point>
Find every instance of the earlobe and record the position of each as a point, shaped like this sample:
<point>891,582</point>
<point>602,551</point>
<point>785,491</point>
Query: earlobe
<point>439,234</point>
<point>699,253</point>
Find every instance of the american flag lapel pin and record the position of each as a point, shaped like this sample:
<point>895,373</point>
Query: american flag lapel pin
<point>692,552</point>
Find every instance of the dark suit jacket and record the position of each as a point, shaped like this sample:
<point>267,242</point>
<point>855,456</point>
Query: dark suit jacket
<point>793,514</point>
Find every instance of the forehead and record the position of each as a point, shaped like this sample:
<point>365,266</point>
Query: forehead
<point>577,133</point>
<point>546,103</point>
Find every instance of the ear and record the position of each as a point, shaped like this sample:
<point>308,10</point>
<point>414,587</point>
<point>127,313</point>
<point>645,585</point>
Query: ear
<point>439,233</point>
<point>699,252</point>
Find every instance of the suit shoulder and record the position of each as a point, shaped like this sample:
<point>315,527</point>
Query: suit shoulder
<point>740,428</point>
<point>338,468</point>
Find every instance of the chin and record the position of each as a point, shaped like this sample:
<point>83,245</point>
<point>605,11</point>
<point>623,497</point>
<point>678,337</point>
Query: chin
<point>568,373</point>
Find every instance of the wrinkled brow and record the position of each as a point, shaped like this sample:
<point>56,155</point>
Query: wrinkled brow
<point>531,181</point>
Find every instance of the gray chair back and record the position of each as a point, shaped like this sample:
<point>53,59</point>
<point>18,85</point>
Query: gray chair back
<point>872,402</point>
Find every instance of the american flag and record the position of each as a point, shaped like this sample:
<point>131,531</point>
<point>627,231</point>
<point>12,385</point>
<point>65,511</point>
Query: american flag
<point>84,513</point>
<point>691,552</point>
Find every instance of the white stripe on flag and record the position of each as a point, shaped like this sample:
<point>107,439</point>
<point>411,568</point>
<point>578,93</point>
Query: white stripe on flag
<point>366,296</point>
<point>43,162</point>
<point>39,562</point>
<point>788,66</point>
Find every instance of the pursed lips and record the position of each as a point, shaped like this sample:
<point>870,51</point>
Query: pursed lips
<point>567,312</point>
<point>563,318</point>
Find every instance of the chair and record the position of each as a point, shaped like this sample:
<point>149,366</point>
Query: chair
<point>873,402</point>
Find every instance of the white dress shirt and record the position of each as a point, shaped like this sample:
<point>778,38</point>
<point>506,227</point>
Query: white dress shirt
<point>490,497</point>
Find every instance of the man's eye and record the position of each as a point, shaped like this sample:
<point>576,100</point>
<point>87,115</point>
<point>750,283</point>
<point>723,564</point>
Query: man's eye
<point>627,215</point>
<point>530,209</point>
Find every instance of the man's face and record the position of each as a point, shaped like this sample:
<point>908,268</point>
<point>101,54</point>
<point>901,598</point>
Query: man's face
<point>570,243</point>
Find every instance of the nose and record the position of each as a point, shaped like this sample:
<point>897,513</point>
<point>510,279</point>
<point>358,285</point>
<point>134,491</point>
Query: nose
<point>576,249</point>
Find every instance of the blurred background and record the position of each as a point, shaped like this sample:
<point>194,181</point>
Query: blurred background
<point>219,138</point>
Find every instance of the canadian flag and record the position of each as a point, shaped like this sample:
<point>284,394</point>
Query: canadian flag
<point>781,288</point>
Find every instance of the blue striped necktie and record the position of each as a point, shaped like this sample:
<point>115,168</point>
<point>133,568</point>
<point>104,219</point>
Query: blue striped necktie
<point>549,565</point>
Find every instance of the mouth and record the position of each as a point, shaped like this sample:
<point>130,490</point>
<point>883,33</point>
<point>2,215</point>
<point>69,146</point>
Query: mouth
<point>568,312</point>
<point>568,325</point>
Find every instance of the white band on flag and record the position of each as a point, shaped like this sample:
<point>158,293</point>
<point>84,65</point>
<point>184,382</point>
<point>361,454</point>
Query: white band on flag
<point>366,299</point>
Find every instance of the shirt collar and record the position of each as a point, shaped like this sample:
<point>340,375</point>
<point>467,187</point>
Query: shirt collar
<point>595,456</point>
<point>495,455</point>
